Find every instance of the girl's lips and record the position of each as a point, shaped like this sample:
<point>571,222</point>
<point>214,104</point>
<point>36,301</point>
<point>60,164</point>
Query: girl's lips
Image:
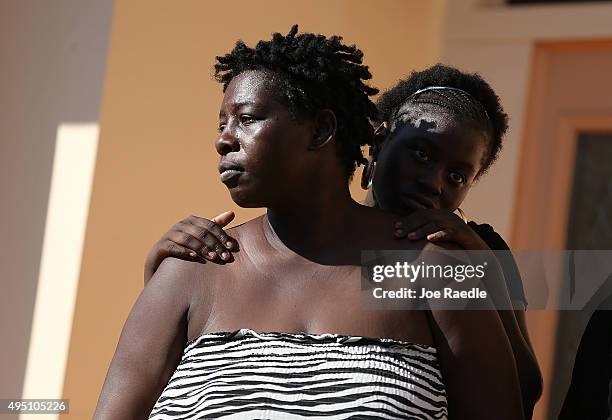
<point>413,204</point>
<point>419,201</point>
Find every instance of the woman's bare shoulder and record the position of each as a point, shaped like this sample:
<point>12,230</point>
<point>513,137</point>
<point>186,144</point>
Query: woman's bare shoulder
<point>177,274</point>
<point>176,268</point>
<point>199,277</point>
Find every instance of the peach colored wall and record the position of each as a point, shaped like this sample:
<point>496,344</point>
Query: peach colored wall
<point>156,163</point>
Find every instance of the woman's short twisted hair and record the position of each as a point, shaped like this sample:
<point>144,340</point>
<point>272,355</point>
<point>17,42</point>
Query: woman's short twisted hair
<point>310,73</point>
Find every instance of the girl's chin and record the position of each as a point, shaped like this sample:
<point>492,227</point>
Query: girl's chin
<point>399,209</point>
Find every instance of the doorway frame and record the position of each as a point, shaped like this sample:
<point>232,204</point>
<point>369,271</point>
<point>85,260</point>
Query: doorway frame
<point>550,232</point>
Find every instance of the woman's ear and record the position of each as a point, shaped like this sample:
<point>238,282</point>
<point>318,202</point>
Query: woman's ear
<point>325,126</point>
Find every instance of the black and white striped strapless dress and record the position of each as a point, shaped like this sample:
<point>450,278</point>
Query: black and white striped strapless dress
<point>250,375</point>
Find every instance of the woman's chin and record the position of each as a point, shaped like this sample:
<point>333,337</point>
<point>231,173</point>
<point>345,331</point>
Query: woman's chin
<point>244,198</point>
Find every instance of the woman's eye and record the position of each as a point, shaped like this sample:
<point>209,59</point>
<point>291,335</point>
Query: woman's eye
<point>245,119</point>
<point>221,127</point>
<point>457,178</point>
<point>421,155</point>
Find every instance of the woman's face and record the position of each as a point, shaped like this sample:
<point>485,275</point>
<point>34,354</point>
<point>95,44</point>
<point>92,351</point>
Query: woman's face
<point>429,161</point>
<point>260,142</point>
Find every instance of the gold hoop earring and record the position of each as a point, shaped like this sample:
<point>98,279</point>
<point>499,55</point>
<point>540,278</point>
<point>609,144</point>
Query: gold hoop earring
<point>462,215</point>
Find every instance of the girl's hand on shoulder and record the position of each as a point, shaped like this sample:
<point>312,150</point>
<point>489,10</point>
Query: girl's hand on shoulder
<point>437,225</point>
<point>194,239</point>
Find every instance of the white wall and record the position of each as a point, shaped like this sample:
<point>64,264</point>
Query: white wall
<point>52,61</point>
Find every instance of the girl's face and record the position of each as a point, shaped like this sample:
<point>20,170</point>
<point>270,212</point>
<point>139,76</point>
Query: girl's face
<point>429,161</point>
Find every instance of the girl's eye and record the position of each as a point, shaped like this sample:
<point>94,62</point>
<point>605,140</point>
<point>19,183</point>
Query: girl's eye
<point>421,155</point>
<point>221,127</point>
<point>457,178</point>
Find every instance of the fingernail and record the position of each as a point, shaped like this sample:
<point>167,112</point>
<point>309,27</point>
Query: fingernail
<point>192,254</point>
<point>399,232</point>
<point>224,255</point>
<point>212,254</point>
<point>229,244</point>
<point>399,224</point>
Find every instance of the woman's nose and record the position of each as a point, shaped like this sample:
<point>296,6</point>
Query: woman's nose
<point>227,142</point>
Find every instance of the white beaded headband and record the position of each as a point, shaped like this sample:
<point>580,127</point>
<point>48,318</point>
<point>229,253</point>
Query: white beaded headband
<point>428,88</point>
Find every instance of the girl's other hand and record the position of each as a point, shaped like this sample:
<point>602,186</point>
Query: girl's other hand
<point>438,226</point>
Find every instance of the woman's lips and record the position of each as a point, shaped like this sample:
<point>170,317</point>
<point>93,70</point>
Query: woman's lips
<point>229,172</point>
<point>230,175</point>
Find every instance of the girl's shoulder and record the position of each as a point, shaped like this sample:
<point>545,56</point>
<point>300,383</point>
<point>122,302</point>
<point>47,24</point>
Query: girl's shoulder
<point>511,271</point>
<point>489,235</point>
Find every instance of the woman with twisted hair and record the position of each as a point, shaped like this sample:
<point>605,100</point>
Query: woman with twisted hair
<point>281,332</point>
<point>463,112</point>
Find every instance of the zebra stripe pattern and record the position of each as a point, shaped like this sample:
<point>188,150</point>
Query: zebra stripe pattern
<point>250,375</point>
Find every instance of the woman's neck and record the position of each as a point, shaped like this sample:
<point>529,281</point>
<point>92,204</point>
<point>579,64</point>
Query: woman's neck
<point>318,224</point>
